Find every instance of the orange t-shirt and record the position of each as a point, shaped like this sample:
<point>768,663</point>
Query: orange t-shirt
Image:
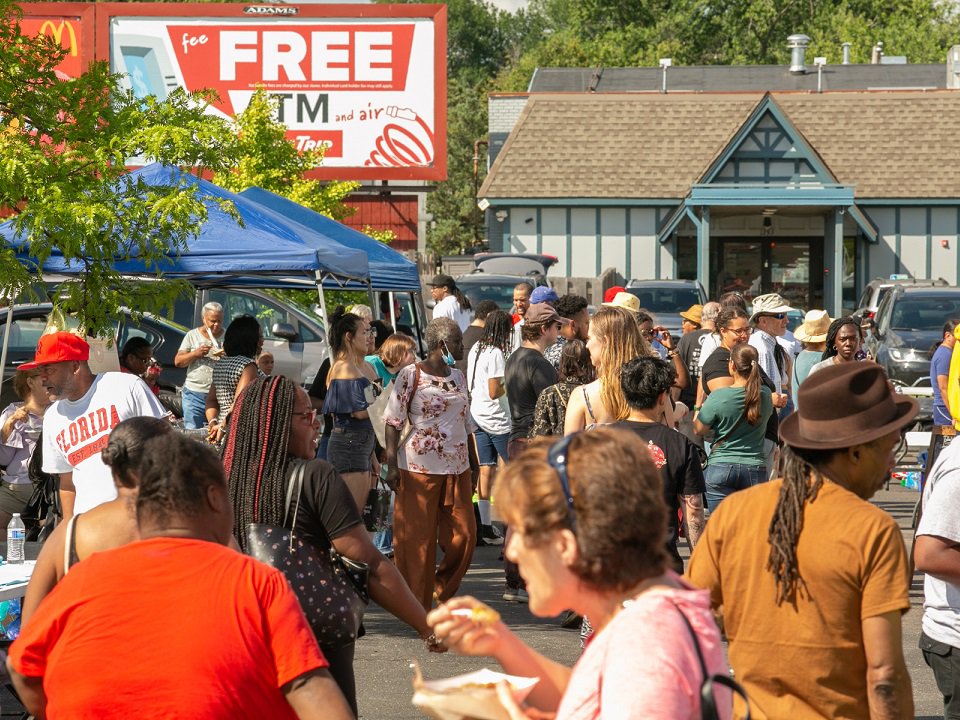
<point>805,661</point>
<point>168,628</point>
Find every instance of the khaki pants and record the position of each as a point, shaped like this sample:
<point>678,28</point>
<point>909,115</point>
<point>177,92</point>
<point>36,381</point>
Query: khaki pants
<point>432,509</point>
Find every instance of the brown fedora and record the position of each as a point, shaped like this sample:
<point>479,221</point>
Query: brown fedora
<point>843,405</point>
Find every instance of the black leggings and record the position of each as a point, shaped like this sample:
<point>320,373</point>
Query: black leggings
<point>341,667</point>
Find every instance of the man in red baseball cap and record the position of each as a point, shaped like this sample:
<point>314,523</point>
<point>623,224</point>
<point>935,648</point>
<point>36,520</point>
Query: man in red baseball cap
<point>77,425</point>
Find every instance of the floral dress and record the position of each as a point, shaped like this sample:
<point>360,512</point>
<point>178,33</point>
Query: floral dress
<point>439,418</point>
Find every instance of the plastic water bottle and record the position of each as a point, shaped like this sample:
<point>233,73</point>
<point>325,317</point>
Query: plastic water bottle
<point>16,536</point>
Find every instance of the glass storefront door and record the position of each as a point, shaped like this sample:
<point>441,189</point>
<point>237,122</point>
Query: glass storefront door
<point>793,268</point>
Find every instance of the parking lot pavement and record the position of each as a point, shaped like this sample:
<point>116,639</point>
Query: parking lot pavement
<point>384,655</point>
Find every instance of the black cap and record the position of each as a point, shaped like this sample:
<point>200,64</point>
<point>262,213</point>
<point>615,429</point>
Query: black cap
<point>443,281</point>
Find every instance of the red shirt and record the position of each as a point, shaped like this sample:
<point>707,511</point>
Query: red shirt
<point>168,628</point>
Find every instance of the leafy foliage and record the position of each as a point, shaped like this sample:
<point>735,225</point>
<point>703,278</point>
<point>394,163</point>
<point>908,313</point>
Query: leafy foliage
<point>63,145</point>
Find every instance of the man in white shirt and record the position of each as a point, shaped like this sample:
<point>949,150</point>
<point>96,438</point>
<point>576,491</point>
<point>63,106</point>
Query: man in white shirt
<point>76,427</point>
<point>769,321</point>
<point>450,301</point>
<point>937,553</point>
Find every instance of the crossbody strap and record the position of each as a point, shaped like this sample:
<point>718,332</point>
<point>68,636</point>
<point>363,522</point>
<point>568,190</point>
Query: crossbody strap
<point>296,480</point>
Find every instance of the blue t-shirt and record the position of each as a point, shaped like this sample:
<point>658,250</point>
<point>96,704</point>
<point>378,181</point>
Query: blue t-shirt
<point>940,365</point>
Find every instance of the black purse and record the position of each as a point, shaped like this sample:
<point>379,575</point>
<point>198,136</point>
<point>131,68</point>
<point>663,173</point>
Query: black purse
<point>42,512</point>
<point>332,589</point>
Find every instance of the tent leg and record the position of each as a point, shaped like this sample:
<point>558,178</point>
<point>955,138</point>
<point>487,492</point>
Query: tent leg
<point>6,339</point>
<point>393,315</point>
<point>323,315</point>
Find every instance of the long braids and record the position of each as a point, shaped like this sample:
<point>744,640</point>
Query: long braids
<point>834,330</point>
<point>255,454</point>
<point>497,333</point>
<point>797,489</point>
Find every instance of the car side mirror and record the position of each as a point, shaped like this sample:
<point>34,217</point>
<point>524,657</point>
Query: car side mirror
<point>285,331</point>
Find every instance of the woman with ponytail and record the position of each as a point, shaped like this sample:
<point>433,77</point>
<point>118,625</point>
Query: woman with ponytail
<point>737,415</point>
<point>352,386</point>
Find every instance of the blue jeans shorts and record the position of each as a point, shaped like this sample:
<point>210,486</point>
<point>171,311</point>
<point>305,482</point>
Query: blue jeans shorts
<point>490,446</point>
<point>349,449</point>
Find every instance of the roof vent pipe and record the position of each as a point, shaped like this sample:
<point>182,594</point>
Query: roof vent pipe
<point>846,53</point>
<point>798,51</point>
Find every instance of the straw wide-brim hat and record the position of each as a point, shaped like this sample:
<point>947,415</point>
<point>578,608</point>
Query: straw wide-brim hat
<point>844,405</point>
<point>814,327</point>
<point>694,314</point>
<point>625,300</point>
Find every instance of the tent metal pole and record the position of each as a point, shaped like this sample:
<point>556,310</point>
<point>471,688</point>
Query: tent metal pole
<point>6,339</point>
<point>393,314</point>
<point>323,314</point>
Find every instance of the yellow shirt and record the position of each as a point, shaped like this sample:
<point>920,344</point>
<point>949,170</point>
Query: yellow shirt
<point>805,661</point>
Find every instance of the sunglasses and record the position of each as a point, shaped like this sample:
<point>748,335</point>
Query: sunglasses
<point>557,457</point>
<point>775,316</point>
<point>310,415</point>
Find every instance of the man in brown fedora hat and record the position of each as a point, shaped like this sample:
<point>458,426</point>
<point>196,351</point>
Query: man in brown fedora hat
<point>810,577</point>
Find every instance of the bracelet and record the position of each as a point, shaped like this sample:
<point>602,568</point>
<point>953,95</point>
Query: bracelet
<point>696,407</point>
<point>672,353</point>
<point>432,642</point>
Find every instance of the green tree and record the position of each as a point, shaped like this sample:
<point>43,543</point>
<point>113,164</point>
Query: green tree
<point>63,146</point>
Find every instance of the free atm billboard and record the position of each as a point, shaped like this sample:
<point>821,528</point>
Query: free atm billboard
<point>367,82</point>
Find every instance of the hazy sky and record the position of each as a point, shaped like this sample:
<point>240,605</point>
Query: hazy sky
<point>510,5</point>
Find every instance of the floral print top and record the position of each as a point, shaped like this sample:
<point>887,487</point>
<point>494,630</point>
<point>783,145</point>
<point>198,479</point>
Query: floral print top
<point>440,420</point>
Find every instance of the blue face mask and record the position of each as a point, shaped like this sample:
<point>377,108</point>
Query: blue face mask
<point>448,356</point>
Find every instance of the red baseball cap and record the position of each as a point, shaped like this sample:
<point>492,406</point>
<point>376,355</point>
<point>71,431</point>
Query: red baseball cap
<point>611,293</point>
<point>59,347</point>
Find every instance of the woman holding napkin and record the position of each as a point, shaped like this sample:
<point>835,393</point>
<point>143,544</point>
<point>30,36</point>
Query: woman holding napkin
<point>588,536</point>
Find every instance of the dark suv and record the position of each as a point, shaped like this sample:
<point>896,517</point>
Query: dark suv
<point>909,322</point>
<point>666,299</point>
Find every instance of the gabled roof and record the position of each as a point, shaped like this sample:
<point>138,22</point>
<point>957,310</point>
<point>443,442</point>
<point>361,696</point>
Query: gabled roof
<point>605,146</point>
<point>898,144</point>
<point>738,78</point>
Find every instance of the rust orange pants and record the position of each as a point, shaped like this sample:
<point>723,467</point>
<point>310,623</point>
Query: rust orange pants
<point>432,510</point>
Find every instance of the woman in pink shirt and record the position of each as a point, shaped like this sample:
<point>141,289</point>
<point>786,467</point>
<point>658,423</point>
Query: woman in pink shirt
<point>588,519</point>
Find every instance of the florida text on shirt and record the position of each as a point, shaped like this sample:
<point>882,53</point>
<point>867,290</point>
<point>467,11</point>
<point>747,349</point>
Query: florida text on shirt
<point>88,434</point>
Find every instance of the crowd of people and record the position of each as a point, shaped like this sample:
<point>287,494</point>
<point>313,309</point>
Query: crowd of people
<point>589,446</point>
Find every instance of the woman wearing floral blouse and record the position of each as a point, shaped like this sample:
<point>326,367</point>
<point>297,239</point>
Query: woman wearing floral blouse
<point>432,467</point>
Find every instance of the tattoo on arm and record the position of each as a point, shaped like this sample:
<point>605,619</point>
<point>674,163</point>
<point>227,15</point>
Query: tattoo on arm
<point>693,518</point>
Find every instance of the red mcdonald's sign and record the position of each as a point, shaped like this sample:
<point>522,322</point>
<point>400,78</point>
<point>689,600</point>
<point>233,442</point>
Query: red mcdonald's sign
<point>69,24</point>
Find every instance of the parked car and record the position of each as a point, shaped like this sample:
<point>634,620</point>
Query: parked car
<point>908,323</point>
<point>29,322</point>
<point>297,341</point>
<point>875,291</point>
<point>496,274</point>
<point>666,299</point>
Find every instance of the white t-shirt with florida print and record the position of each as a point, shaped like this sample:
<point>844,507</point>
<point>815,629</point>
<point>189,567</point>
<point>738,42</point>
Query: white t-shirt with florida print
<point>75,432</point>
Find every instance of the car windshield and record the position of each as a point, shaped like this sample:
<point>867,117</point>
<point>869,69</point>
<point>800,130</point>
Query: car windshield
<point>500,293</point>
<point>666,299</point>
<point>924,313</point>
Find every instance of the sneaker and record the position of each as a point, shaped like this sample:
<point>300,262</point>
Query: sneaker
<point>570,620</point>
<point>515,595</point>
<point>490,532</point>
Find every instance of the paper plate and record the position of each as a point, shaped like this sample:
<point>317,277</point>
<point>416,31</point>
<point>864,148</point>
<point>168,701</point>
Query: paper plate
<point>472,696</point>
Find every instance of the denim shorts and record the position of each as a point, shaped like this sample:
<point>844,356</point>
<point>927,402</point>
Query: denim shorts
<point>490,446</point>
<point>349,449</point>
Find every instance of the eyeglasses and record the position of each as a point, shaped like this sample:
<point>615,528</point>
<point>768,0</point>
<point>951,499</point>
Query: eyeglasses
<point>370,331</point>
<point>557,457</point>
<point>738,331</point>
<point>310,415</point>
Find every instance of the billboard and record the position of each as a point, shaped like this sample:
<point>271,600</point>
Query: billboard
<point>368,82</point>
<point>70,25</point>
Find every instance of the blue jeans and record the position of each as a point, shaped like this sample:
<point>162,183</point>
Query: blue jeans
<point>194,405</point>
<point>722,479</point>
<point>490,446</point>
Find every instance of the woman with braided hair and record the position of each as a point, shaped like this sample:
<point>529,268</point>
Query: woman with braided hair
<point>488,405</point>
<point>273,424</point>
<point>844,338</point>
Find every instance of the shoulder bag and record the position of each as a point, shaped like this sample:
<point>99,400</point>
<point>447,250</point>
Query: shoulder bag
<point>709,709</point>
<point>332,589</point>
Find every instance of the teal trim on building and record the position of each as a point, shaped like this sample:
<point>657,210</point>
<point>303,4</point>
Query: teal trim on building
<point>582,202</point>
<point>568,219</point>
<point>703,249</point>
<point>539,222</point>
<point>769,196</point>
<point>907,202</point>
<point>896,249</point>
<point>929,220</point>
<point>656,247</point>
<point>628,249</point>
<point>599,230</point>
<point>866,225</point>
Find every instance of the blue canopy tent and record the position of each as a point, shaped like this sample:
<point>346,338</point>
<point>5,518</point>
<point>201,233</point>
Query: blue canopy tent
<point>389,270</point>
<point>267,244</point>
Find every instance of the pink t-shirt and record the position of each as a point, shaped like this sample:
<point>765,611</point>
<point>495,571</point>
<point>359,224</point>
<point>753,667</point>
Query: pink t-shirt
<point>643,663</point>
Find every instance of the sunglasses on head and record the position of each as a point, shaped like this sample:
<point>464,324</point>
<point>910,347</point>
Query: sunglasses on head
<point>557,457</point>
